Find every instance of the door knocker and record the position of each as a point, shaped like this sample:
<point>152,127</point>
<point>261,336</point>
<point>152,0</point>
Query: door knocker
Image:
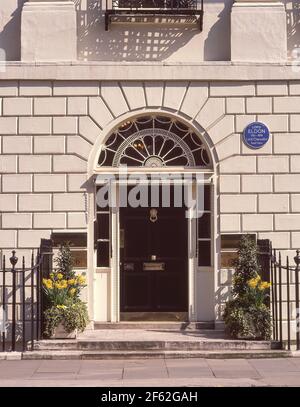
<point>153,215</point>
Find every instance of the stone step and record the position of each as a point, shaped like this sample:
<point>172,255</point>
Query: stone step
<point>155,345</point>
<point>169,325</point>
<point>155,354</point>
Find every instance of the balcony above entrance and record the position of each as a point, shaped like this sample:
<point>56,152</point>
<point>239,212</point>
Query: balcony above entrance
<point>187,12</point>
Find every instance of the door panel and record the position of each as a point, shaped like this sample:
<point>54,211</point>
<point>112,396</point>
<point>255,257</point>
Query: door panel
<point>136,240</point>
<point>171,291</point>
<point>163,242</point>
<point>137,289</point>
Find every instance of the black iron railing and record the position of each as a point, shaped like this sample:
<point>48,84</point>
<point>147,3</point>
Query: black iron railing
<point>285,300</point>
<point>154,4</point>
<point>148,8</point>
<point>21,300</point>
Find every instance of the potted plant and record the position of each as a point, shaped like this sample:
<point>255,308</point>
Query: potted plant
<point>247,315</point>
<point>64,321</point>
<point>65,313</point>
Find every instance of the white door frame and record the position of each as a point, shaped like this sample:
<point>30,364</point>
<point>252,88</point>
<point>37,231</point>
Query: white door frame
<point>192,267</point>
<point>115,271</point>
<point>115,265</point>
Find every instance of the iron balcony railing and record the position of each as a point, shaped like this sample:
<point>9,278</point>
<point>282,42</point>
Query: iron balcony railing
<point>153,8</point>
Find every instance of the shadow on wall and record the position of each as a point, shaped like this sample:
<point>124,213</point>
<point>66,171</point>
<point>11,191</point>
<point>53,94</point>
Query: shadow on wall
<point>125,42</point>
<point>10,28</point>
<point>217,42</point>
<point>293,26</point>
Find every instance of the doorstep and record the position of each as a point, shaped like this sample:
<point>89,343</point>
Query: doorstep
<point>153,343</point>
<point>110,355</point>
<point>168,325</point>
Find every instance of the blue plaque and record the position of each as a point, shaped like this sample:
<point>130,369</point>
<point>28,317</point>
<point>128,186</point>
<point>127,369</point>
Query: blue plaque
<point>256,135</point>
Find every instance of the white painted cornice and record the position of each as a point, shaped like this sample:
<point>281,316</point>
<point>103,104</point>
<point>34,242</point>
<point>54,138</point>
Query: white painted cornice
<point>221,71</point>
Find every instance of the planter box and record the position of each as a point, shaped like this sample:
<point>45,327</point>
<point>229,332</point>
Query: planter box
<point>60,333</point>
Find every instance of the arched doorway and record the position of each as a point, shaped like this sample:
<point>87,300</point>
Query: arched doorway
<point>152,247</point>
<point>154,141</point>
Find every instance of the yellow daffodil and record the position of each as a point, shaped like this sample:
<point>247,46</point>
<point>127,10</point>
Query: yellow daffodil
<point>81,280</point>
<point>62,284</point>
<point>264,286</point>
<point>253,282</point>
<point>47,283</point>
<point>60,276</point>
<point>71,281</point>
<point>72,291</point>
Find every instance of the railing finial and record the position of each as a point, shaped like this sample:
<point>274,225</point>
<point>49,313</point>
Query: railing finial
<point>13,259</point>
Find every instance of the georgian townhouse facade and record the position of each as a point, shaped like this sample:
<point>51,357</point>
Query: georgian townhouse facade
<point>174,87</point>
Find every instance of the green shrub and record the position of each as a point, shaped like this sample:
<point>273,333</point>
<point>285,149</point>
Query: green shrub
<point>246,265</point>
<point>247,315</point>
<point>64,261</point>
<point>250,322</point>
<point>62,296</point>
<point>73,316</point>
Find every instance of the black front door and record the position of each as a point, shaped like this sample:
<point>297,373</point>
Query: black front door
<point>154,260</point>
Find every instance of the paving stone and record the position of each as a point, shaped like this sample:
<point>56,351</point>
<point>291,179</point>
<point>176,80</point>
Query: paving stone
<point>152,373</point>
<point>190,371</point>
<point>101,369</point>
<point>233,368</point>
<point>100,376</point>
<point>274,366</point>
<point>60,366</point>
<point>187,363</point>
<point>145,373</point>
<point>53,376</point>
<point>288,380</point>
<point>19,365</point>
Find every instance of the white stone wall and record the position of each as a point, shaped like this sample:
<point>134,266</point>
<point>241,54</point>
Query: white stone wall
<point>43,163</point>
<point>159,42</point>
<point>48,130</point>
<point>131,42</point>
<point>10,28</point>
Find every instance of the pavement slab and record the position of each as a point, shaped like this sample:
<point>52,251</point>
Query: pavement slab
<point>53,377</point>
<point>146,372</point>
<point>237,368</point>
<point>150,373</point>
<point>59,366</point>
<point>275,367</point>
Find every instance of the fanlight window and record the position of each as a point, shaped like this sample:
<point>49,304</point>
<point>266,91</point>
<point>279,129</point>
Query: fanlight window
<point>157,141</point>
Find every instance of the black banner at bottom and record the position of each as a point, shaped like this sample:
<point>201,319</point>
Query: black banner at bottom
<point>129,396</point>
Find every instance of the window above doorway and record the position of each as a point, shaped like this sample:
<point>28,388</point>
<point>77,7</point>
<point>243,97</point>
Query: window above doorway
<point>154,142</point>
